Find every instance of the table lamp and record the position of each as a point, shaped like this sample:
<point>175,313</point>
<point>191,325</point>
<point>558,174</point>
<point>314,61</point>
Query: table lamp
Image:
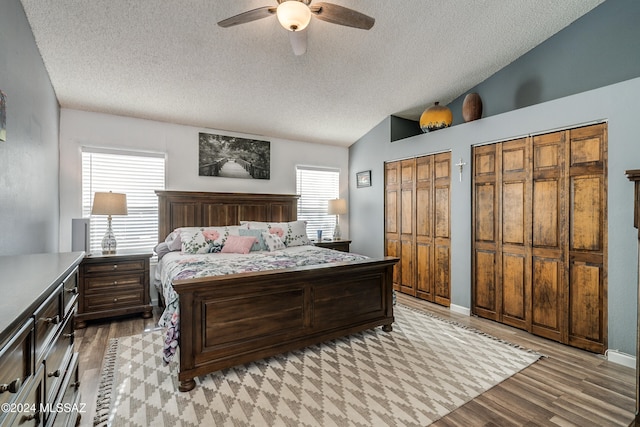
<point>109,204</point>
<point>337,207</point>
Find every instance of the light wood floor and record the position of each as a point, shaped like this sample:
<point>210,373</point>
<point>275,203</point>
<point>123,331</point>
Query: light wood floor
<point>568,387</point>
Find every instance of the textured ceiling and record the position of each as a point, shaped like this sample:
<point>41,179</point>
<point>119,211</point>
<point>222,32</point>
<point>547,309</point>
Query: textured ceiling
<point>169,61</point>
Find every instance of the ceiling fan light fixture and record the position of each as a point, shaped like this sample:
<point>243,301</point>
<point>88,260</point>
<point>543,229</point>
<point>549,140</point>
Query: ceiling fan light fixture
<point>293,15</point>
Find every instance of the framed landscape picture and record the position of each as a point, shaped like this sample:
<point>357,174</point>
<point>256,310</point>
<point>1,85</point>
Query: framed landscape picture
<point>363,179</point>
<point>233,157</point>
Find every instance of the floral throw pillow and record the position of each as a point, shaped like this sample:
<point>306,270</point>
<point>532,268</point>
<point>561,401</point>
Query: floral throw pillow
<point>207,239</point>
<point>292,233</point>
<point>273,242</point>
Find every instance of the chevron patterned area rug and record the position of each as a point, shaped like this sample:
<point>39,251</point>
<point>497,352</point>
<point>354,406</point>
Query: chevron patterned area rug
<point>424,369</point>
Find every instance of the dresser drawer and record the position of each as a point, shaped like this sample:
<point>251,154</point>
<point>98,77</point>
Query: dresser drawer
<point>114,300</point>
<point>112,282</point>
<point>47,319</point>
<point>113,267</point>
<point>16,364</point>
<point>69,397</point>
<point>30,400</point>
<point>70,291</point>
<point>57,359</point>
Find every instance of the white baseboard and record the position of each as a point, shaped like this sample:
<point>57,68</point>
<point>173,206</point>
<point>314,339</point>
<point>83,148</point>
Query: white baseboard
<point>460,309</point>
<point>621,358</point>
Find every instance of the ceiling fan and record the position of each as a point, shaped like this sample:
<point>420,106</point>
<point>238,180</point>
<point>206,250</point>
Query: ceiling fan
<point>295,15</point>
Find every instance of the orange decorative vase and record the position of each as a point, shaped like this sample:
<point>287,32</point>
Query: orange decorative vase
<point>436,117</point>
<point>471,107</point>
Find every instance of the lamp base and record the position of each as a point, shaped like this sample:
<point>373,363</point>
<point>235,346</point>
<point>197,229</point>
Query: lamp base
<point>337,235</point>
<point>109,240</point>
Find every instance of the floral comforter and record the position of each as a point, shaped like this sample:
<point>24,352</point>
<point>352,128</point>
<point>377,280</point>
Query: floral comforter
<point>176,266</point>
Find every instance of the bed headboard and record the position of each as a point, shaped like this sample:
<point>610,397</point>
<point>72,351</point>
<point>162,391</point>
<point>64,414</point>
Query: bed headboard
<point>194,209</point>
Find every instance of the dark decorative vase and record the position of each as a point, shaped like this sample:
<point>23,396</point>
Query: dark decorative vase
<point>471,107</point>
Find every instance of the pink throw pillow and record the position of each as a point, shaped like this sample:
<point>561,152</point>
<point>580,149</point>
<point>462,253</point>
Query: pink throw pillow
<point>238,244</point>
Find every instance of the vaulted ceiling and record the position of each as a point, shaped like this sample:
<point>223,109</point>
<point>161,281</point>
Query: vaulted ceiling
<point>170,61</point>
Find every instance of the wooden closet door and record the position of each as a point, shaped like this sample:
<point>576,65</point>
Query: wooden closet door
<point>540,236</point>
<point>407,226</point>
<point>424,228</point>
<point>486,261</point>
<point>549,225</point>
<point>392,217</point>
<point>587,240</point>
<point>442,228</point>
<point>514,234</point>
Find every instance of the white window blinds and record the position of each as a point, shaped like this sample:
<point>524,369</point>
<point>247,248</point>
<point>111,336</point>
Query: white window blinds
<point>137,175</point>
<point>316,186</point>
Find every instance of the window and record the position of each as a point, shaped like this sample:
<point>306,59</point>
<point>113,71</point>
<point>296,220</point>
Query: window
<point>137,175</point>
<point>316,186</point>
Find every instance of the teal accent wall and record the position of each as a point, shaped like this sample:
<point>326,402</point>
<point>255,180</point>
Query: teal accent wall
<point>609,93</point>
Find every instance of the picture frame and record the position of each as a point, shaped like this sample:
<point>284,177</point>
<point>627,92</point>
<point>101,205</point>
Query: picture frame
<point>363,179</point>
<point>233,157</point>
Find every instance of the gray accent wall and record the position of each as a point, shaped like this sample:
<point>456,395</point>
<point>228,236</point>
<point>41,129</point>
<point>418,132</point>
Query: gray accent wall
<point>29,209</point>
<point>616,102</point>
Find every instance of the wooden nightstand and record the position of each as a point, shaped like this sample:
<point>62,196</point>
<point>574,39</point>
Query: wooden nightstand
<point>338,245</point>
<point>113,285</point>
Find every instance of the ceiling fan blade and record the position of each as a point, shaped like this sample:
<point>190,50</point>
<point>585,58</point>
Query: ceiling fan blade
<point>251,15</point>
<point>298,41</point>
<point>341,15</point>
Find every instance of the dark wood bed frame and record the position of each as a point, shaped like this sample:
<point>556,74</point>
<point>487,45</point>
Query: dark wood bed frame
<point>234,319</point>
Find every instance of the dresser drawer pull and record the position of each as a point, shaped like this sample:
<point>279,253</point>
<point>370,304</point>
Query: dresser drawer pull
<point>115,266</point>
<point>55,373</point>
<point>52,320</point>
<point>71,335</point>
<point>71,290</point>
<point>12,387</point>
<point>115,300</point>
<point>115,282</point>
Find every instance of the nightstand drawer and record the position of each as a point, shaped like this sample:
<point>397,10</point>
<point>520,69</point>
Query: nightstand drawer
<point>114,300</point>
<point>113,267</point>
<point>112,283</point>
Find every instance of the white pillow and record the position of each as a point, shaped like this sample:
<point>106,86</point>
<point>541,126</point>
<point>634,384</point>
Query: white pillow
<point>273,242</point>
<point>292,233</point>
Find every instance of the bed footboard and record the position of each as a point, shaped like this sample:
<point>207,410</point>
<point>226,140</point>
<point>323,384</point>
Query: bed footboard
<point>230,320</point>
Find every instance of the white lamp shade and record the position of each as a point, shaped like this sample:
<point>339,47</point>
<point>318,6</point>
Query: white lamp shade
<point>293,15</point>
<point>337,207</point>
<point>109,204</point>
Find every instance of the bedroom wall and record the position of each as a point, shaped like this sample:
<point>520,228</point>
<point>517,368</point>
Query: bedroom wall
<point>29,156</point>
<point>180,145</point>
<point>617,104</point>
<point>569,80</point>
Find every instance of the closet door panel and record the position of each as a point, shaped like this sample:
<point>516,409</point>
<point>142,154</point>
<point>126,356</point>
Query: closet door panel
<point>442,279</point>
<point>585,305</point>
<point>424,271</point>
<point>485,223</point>
<point>586,214</point>
<point>484,292</point>
<point>547,298</point>
<point>514,302</point>
<point>546,225</point>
